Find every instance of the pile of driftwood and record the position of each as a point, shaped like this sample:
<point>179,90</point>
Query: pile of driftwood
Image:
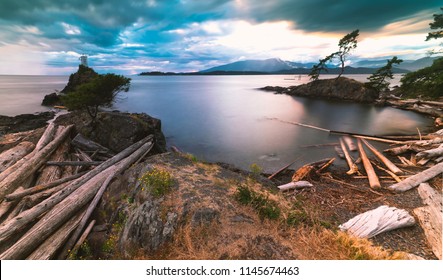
<point>48,191</point>
<point>412,163</point>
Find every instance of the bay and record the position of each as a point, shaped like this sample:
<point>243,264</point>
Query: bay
<point>225,118</point>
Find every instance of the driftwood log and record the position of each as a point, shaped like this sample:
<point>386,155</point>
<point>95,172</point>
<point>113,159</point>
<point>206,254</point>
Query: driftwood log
<point>19,176</point>
<point>12,227</point>
<point>61,212</point>
<point>88,145</point>
<point>295,185</point>
<point>11,156</point>
<point>417,179</point>
<point>430,217</point>
<point>376,221</point>
<point>437,152</point>
<point>372,177</point>
<point>391,166</point>
<point>352,166</point>
<point>50,246</point>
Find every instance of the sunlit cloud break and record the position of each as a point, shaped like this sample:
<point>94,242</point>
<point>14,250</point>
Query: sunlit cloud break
<point>46,37</point>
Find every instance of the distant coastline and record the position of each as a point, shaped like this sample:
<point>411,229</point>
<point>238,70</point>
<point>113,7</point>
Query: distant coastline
<point>295,71</point>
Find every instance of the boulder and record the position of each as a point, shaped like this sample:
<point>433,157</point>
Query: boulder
<point>336,89</point>
<point>51,99</point>
<point>116,130</point>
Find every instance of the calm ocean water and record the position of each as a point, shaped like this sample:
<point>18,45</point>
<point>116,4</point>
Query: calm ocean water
<point>224,118</point>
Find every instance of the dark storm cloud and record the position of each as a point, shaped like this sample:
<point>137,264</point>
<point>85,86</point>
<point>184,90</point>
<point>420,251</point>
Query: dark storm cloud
<point>339,15</point>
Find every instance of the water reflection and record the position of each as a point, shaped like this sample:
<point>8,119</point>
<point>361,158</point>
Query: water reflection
<point>223,118</point>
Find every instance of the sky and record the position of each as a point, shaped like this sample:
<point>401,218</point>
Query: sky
<point>46,37</point>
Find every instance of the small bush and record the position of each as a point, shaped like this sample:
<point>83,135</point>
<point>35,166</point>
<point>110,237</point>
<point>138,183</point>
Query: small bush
<point>266,208</point>
<point>157,181</point>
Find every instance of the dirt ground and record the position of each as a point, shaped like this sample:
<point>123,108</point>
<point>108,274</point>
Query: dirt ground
<point>337,197</point>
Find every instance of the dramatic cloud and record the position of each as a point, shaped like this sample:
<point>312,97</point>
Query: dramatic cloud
<point>191,35</point>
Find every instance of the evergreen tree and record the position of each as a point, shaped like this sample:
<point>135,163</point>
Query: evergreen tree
<point>346,45</point>
<point>100,91</point>
<point>378,80</point>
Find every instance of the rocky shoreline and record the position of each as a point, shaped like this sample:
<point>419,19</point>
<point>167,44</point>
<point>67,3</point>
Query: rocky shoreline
<point>171,205</point>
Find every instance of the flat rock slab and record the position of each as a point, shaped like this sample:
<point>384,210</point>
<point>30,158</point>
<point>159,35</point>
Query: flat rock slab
<point>376,221</point>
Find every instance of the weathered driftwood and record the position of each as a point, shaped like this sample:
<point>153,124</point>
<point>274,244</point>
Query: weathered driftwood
<point>51,173</point>
<point>350,143</point>
<point>12,182</point>
<point>47,137</point>
<point>417,179</point>
<point>9,229</point>
<point>352,167</point>
<point>306,169</point>
<point>430,217</point>
<point>339,152</point>
<point>74,237</point>
<point>376,221</point>
<point>437,152</point>
<point>295,185</point>
<point>74,163</point>
<point>18,194</point>
<point>61,212</point>
<point>403,149</point>
<point>82,238</point>
<point>379,139</point>
<point>51,245</point>
<point>406,161</point>
<point>392,174</point>
<point>11,140</point>
<point>389,164</point>
<point>372,177</point>
<point>281,169</point>
<point>88,145</point>
<point>5,206</point>
<point>11,156</point>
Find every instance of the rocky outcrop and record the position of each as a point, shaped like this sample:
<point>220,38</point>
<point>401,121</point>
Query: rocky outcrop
<point>24,122</point>
<point>52,99</point>
<point>335,89</point>
<point>116,130</point>
<point>83,75</point>
<point>199,217</point>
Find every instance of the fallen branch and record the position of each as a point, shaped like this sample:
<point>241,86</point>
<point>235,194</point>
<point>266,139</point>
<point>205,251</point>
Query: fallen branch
<point>349,143</point>
<point>282,169</point>
<point>437,152</point>
<point>417,179</point>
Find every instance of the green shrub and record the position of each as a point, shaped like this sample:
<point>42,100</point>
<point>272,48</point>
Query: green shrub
<point>157,181</point>
<point>265,207</point>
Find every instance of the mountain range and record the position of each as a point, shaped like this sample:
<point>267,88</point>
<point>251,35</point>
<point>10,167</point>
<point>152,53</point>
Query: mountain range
<point>278,66</point>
